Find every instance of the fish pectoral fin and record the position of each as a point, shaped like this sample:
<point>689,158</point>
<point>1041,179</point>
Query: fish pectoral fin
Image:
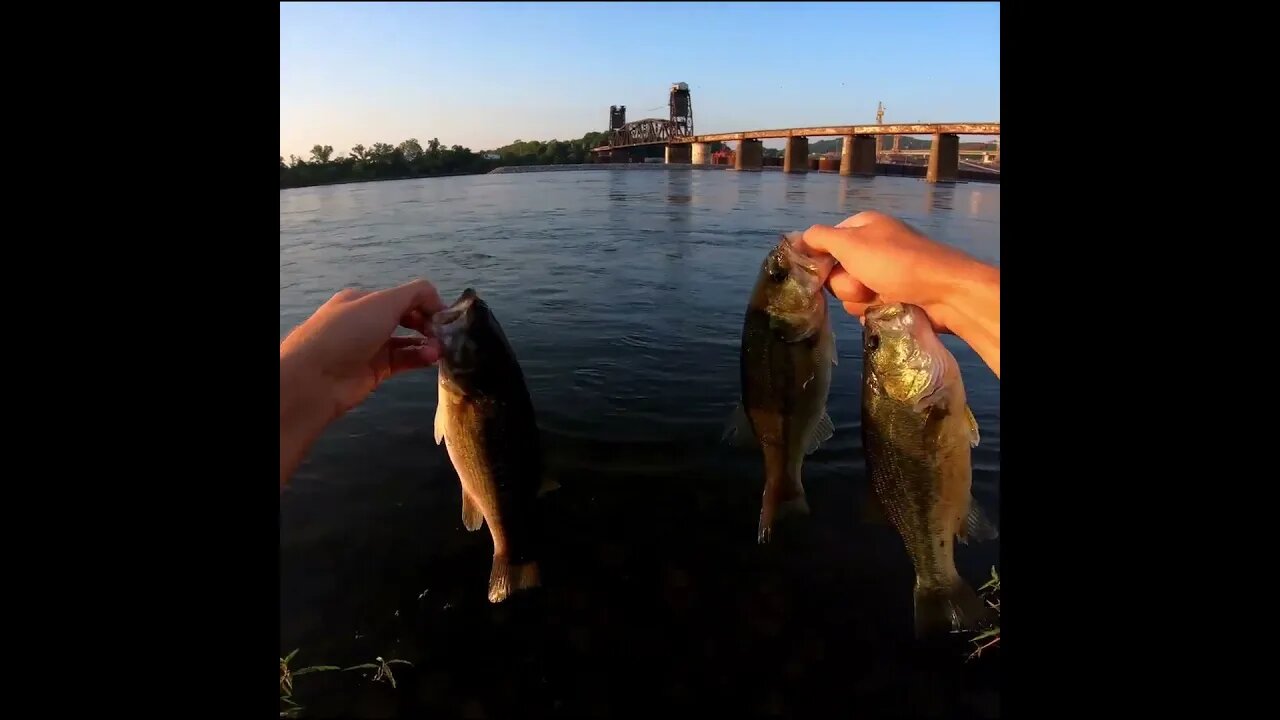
<point>835,351</point>
<point>822,432</point>
<point>977,526</point>
<point>442,418</point>
<point>974,436</point>
<point>472,518</point>
<point>549,484</point>
<point>737,431</point>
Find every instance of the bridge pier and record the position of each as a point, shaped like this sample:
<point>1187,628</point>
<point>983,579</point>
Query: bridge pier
<point>795,159</point>
<point>750,155</point>
<point>699,154</point>
<point>944,158</point>
<point>680,154</point>
<point>858,155</point>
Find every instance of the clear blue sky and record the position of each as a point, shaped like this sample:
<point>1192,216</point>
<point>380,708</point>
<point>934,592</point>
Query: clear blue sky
<point>485,74</point>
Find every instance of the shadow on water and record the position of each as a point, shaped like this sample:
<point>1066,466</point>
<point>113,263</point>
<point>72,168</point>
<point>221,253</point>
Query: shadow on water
<point>625,307</point>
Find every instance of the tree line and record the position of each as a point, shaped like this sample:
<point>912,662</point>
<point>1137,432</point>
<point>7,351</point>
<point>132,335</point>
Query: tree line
<point>383,161</point>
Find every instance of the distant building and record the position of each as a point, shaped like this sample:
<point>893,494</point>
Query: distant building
<point>492,156</point>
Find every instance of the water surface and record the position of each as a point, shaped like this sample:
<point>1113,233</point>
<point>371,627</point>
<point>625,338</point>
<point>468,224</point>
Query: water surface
<point>623,294</point>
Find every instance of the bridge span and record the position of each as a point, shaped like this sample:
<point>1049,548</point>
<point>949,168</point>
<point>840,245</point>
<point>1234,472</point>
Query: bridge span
<point>857,156</point>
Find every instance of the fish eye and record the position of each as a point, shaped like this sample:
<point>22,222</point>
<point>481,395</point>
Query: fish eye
<point>776,269</point>
<point>873,341</point>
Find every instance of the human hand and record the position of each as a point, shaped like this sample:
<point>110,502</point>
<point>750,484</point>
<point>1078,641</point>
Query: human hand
<point>883,259</point>
<point>346,348</point>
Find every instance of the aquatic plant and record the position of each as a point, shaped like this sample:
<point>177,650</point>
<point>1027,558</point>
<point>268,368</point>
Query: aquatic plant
<point>991,636</point>
<point>289,708</point>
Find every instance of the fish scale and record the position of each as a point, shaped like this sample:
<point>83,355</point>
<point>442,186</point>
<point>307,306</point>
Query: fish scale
<point>787,352</point>
<point>485,418</point>
<point>918,434</point>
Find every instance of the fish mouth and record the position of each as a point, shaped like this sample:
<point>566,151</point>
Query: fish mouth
<point>450,316</point>
<point>801,255</point>
<point>896,316</point>
<point>885,312</point>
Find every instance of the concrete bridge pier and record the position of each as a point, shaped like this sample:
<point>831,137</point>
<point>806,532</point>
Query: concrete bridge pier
<point>750,155</point>
<point>944,158</point>
<point>680,154</point>
<point>795,159</point>
<point>700,154</point>
<point>858,155</point>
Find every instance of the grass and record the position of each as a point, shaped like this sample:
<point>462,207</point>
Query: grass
<point>990,637</point>
<point>289,708</point>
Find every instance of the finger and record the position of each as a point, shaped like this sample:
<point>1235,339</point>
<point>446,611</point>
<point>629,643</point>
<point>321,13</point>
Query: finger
<point>347,295</point>
<point>841,243</point>
<point>416,320</point>
<point>847,288</point>
<point>857,309</point>
<point>417,295</point>
<point>866,217</point>
<point>413,357</point>
<point>404,341</point>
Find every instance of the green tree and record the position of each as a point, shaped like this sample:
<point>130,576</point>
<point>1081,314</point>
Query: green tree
<point>411,149</point>
<point>322,153</point>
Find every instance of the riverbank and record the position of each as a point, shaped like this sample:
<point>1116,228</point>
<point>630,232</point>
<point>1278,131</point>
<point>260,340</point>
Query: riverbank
<point>888,169</point>
<point>348,181</point>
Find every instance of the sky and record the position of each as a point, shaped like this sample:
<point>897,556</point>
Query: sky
<point>483,75</point>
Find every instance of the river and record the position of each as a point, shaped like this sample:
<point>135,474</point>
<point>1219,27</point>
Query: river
<point>622,293</point>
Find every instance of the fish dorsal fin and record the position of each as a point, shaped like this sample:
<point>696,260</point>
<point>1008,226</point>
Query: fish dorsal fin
<point>822,432</point>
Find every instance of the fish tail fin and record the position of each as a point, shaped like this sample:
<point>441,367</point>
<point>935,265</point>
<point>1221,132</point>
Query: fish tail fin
<point>954,607</point>
<point>506,578</point>
<point>771,514</point>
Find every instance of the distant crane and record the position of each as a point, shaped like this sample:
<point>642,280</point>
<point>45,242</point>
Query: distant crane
<point>880,121</point>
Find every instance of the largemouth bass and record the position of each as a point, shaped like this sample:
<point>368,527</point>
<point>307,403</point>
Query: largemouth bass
<point>918,432</point>
<point>787,353</point>
<point>485,418</point>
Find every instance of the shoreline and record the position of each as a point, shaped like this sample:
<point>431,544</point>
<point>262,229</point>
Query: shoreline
<point>882,170</point>
<point>386,179</point>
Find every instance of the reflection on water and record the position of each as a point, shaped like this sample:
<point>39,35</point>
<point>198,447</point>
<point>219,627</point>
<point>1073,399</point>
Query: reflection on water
<point>623,294</point>
<point>939,196</point>
<point>795,188</point>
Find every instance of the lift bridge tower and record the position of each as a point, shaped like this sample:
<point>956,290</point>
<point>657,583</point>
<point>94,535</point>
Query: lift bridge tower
<point>681,105</point>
